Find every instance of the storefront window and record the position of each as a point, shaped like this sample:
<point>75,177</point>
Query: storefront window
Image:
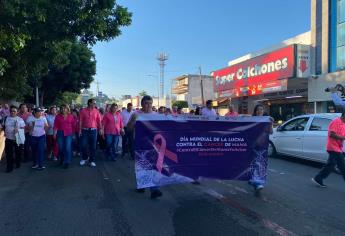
<point>341,35</point>
<point>337,35</point>
<point>341,11</point>
<point>341,57</point>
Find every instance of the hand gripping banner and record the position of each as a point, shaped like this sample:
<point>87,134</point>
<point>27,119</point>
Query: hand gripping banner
<point>182,149</point>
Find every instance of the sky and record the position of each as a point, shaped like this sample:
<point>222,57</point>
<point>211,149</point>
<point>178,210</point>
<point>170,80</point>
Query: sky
<point>194,33</point>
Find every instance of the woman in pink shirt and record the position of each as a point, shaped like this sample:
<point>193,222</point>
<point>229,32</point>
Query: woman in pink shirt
<point>113,128</point>
<point>232,112</point>
<point>64,129</point>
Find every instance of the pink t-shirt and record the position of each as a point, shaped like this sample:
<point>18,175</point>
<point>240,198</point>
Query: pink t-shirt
<point>338,127</point>
<point>67,125</point>
<point>112,123</point>
<point>25,117</point>
<point>231,114</point>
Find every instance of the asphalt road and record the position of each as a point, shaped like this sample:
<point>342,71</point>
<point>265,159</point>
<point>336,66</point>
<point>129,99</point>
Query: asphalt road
<point>103,201</point>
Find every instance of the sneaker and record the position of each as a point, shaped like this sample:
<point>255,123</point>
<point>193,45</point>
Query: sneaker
<point>155,194</point>
<point>259,187</point>
<point>318,182</point>
<point>93,164</point>
<point>82,162</point>
<point>40,168</point>
<point>34,167</point>
<point>55,159</point>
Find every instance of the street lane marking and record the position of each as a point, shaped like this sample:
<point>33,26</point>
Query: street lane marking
<point>250,213</point>
<point>242,190</point>
<point>273,170</point>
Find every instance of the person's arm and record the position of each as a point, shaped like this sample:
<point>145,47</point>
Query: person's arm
<point>104,121</point>
<point>46,125</point>
<point>99,123</point>
<point>337,99</point>
<point>335,136</point>
<point>122,132</point>
<point>132,120</point>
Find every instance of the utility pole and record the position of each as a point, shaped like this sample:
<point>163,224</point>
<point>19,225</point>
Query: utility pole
<point>97,83</point>
<point>161,57</point>
<point>201,87</point>
<point>36,92</point>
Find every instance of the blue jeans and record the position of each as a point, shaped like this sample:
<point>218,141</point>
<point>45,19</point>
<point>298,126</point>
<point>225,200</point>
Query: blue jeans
<point>65,147</point>
<point>112,141</point>
<point>37,147</point>
<point>89,139</point>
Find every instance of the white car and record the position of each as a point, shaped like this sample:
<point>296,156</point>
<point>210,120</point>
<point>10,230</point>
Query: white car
<point>303,136</point>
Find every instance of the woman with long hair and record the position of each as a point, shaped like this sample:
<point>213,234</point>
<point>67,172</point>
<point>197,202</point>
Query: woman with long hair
<point>259,169</point>
<point>76,138</point>
<point>64,129</point>
<point>113,128</point>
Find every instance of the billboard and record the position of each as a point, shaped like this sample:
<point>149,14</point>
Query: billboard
<point>258,75</point>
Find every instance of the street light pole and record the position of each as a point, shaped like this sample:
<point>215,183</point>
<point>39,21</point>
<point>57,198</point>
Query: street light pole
<point>201,87</point>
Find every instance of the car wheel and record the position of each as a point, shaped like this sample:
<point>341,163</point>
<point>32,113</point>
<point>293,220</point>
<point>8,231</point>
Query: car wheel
<point>272,152</point>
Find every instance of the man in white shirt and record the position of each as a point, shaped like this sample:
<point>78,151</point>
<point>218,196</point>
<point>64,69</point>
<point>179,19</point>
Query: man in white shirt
<point>208,111</point>
<point>11,125</point>
<point>128,138</point>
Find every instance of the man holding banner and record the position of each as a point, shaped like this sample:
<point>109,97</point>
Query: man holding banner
<point>181,149</point>
<point>146,104</point>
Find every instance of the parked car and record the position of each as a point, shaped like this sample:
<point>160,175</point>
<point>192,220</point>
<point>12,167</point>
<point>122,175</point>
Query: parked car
<point>303,136</point>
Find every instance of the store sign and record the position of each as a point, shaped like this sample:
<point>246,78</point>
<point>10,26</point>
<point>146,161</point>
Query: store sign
<point>256,75</point>
<point>303,61</point>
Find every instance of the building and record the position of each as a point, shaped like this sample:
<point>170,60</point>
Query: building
<point>276,77</point>
<point>328,44</point>
<point>85,96</point>
<point>194,89</point>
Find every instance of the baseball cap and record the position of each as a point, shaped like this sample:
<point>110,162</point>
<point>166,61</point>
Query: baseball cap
<point>38,109</point>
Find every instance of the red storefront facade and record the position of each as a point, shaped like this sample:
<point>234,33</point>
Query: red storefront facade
<point>277,77</point>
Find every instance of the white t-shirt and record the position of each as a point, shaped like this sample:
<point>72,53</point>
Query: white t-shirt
<point>38,125</point>
<point>125,115</point>
<point>11,124</point>
<point>208,113</point>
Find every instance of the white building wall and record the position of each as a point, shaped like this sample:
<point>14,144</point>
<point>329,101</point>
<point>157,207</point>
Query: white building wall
<point>304,38</point>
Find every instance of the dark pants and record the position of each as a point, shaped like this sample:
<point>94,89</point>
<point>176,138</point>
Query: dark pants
<point>27,151</point>
<point>65,147</point>
<point>76,143</point>
<point>334,158</point>
<point>10,148</point>
<point>128,142</point>
<point>89,139</point>
<point>37,147</point>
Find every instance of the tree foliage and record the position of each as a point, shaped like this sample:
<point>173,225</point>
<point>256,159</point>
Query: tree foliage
<point>143,93</point>
<point>37,38</point>
<point>180,104</point>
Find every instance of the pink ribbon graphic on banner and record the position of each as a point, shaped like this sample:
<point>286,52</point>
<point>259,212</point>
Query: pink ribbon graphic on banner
<point>162,151</point>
